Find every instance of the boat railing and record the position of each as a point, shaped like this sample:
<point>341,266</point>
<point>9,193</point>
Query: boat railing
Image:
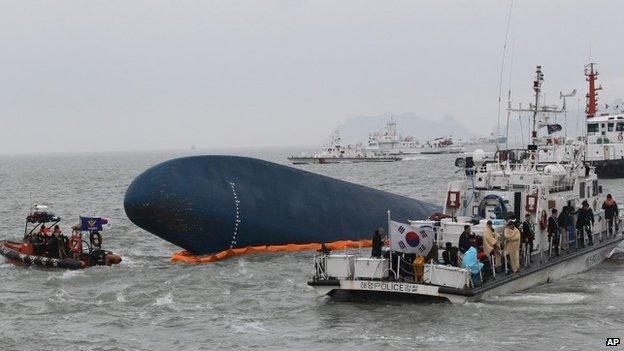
<point>505,261</point>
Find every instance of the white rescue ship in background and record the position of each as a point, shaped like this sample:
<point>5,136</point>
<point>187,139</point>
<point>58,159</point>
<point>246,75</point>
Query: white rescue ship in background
<point>390,142</point>
<point>335,152</point>
<point>442,145</point>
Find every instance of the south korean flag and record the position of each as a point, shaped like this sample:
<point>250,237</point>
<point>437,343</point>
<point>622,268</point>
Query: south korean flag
<point>411,239</point>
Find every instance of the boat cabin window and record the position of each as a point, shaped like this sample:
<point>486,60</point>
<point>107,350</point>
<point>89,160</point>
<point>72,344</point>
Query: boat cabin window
<point>610,127</point>
<point>619,127</point>
<point>475,211</point>
<point>582,190</point>
<point>593,128</point>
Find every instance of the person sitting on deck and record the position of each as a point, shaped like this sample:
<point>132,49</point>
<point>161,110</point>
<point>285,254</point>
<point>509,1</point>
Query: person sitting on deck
<point>451,255</point>
<point>378,241</point>
<point>483,258</point>
<point>464,239</point>
<point>553,233</point>
<point>512,245</point>
<point>475,240</point>
<point>472,264</point>
<point>611,213</point>
<point>584,223</point>
<point>491,244</point>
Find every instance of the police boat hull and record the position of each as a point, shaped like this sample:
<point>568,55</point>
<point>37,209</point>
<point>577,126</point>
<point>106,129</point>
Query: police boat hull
<point>327,160</point>
<point>548,271</point>
<point>207,204</point>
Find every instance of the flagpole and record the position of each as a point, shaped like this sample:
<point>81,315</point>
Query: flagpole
<point>390,247</point>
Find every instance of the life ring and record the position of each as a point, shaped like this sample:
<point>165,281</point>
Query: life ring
<point>543,220</point>
<point>75,244</point>
<point>620,136</point>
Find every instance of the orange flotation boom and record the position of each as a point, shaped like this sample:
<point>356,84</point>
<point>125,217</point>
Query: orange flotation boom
<point>187,257</point>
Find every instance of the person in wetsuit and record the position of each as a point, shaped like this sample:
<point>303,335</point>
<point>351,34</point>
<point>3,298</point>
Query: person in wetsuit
<point>378,242</point>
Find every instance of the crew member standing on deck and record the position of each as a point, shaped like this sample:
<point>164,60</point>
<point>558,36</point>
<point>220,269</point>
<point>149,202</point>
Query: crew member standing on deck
<point>611,212</point>
<point>553,232</point>
<point>512,245</point>
<point>563,220</point>
<point>584,224</point>
<point>491,244</point>
<point>528,235</point>
<point>378,241</point>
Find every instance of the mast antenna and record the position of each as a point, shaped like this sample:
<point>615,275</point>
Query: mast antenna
<point>537,87</point>
<point>500,84</point>
<point>564,108</point>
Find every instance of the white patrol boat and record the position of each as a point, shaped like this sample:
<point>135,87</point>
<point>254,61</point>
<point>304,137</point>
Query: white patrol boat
<point>509,184</point>
<point>605,132</point>
<point>390,142</point>
<point>335,152</point>
<point>442,145</point>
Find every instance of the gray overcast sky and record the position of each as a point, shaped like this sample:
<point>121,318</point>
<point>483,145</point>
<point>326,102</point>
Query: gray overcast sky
<point>118,75</point>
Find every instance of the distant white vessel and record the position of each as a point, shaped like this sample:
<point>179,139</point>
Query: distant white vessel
<point>605,132</point>
<point>335,152</point>
<point>390,142</point>
<point>490,139</point>
<point>442,145</point>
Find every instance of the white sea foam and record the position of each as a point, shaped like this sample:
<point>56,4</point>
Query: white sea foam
<point>562,298</point>
<point>250,327</point>
<point>166,300</point>
<point>120,297</point>
<point>66,275</point>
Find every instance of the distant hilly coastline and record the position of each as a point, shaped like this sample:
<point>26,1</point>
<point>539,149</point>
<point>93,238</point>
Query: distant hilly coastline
<point>357,129</point>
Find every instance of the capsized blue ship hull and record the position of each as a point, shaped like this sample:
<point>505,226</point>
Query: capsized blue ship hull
<point>207,204</point>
